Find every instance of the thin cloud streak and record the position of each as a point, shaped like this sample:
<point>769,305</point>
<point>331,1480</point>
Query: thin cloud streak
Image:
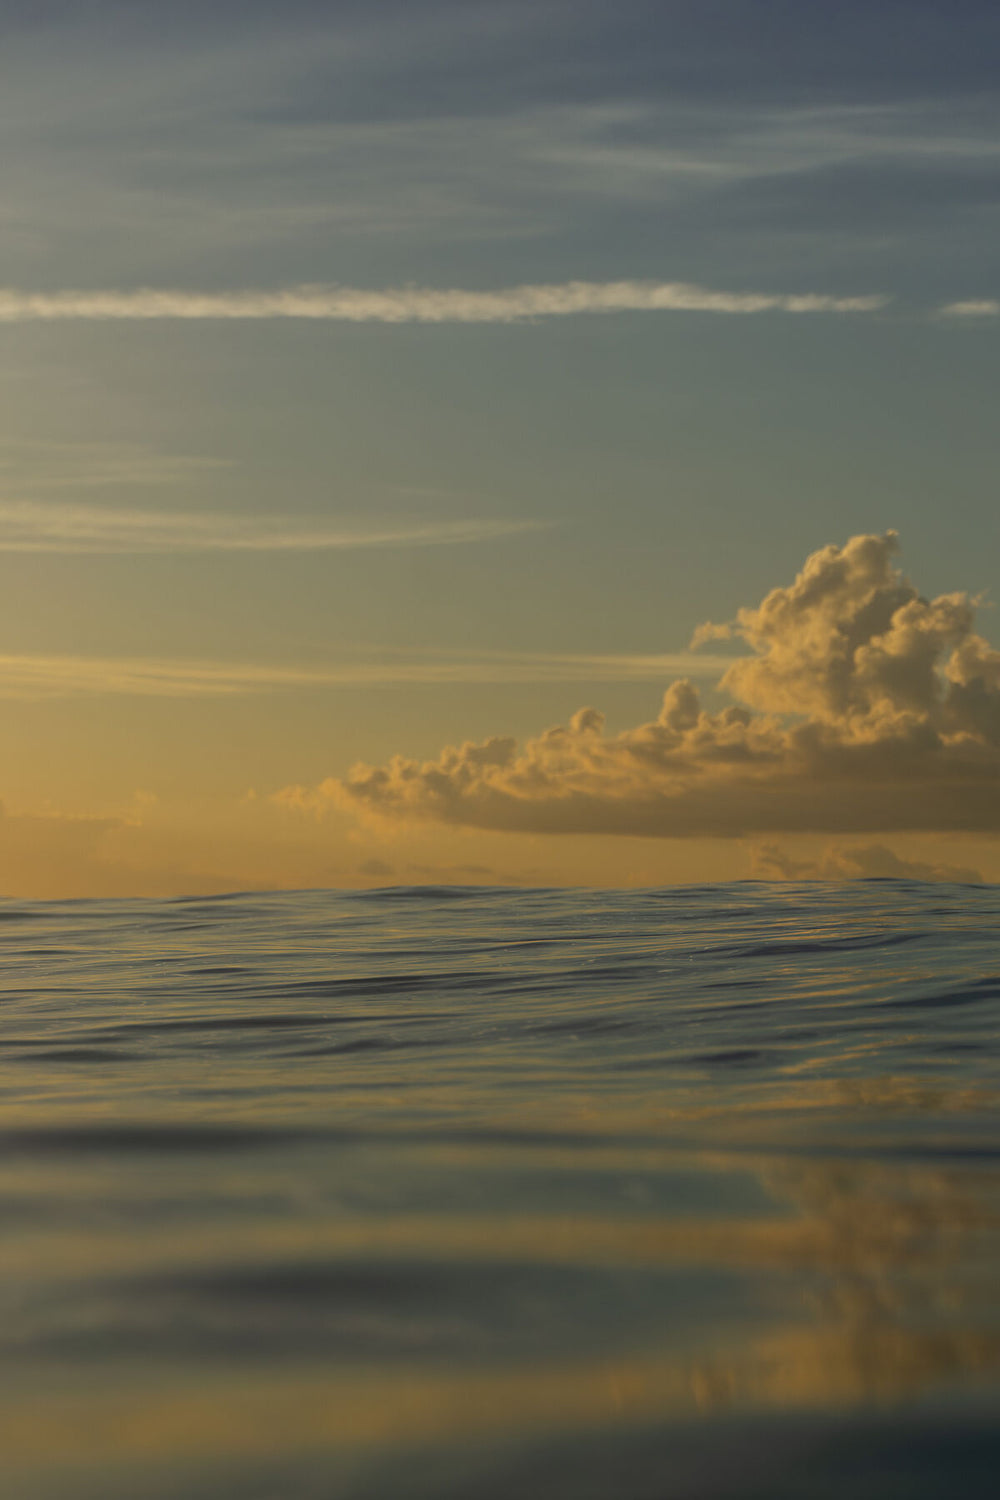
<point>413,304</point>
<point>27,526</point>
<point>39,676</point>
<point>985,307</point>
<point>35,466</point>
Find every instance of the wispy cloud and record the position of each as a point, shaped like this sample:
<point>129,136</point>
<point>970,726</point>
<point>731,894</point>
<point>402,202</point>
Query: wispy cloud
<point>41,676</point>
<point>58,466</point>
<point>29,526</point>
<point>985,307</point>
<point>415,304</point>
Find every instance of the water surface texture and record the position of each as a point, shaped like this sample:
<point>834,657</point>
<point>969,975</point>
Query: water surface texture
<point>440,1193</point>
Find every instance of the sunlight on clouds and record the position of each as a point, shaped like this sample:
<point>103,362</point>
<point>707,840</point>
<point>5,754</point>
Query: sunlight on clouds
<point>37,676</point>
<point>416,304</point>
<point>27,526</point>
<point>986,307</point>
<point>862,708</point>
<point>58,466</point>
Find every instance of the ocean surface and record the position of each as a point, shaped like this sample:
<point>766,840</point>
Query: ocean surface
<point>468,1194</point>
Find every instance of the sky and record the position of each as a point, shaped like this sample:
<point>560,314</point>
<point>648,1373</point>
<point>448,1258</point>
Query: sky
<point>392,391</point>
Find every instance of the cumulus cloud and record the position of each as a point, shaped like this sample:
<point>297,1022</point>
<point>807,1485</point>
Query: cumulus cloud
<point>32,526</point>
<point>861,707</point>
<point>411,304</point>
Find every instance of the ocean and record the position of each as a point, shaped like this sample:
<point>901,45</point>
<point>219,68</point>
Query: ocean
<point>446,1193</point>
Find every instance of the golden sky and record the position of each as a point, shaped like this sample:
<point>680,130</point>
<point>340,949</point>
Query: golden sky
<point>376,382</point>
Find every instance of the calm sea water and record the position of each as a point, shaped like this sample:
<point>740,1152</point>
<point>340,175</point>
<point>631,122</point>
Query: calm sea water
<point>432,1194</point>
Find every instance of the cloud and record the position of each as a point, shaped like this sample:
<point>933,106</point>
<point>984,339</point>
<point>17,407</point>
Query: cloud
<point>855,862</point>
<point>862,707</point>
<point>56,466</point>
<point>986,307</point>
<point>30,526</point>
<point>39,676</point>
<point>414,304</point>
<point>239,146</point>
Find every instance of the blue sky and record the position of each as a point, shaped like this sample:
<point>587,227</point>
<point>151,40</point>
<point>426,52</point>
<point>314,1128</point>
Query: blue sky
<point>375,142</point>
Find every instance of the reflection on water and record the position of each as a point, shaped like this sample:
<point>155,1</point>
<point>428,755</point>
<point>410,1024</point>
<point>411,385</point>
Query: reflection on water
<point>349,1223</point>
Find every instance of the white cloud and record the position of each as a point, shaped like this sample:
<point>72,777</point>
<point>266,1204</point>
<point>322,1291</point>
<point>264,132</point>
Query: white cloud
<point>29,526</point>
<point>415,304</point>
<point>986,307</point>
<point>41,676</point>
